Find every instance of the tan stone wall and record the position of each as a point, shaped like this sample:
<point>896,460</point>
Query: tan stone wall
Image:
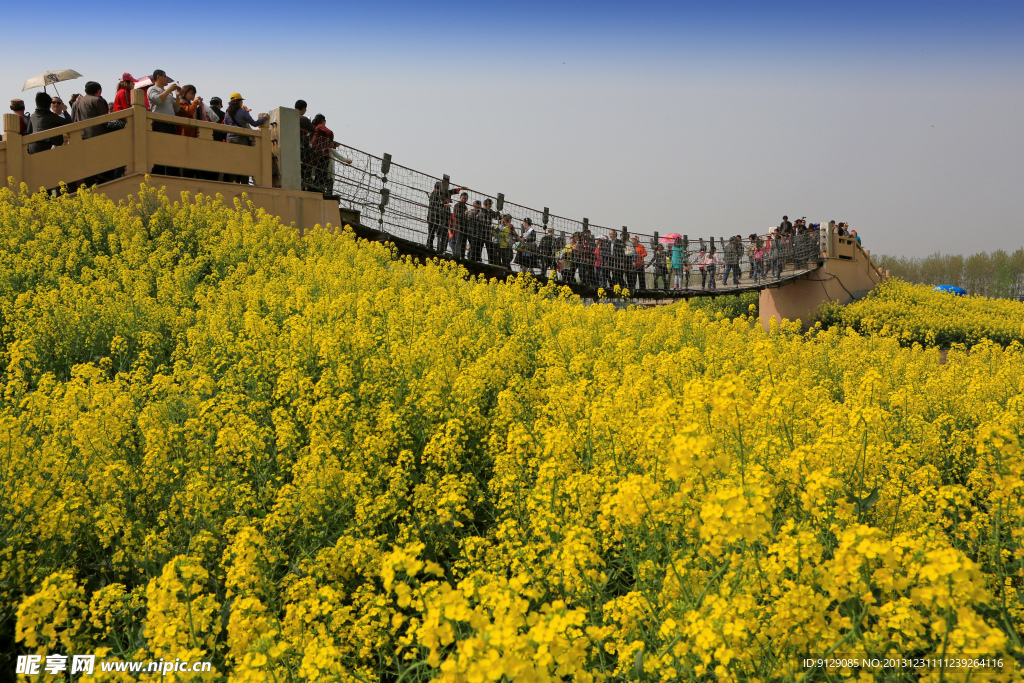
<point>302,210</point>
<point>137,148</point>
<point>846,276</point>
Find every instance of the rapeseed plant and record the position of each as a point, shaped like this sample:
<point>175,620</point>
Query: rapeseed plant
<point>305,458</point>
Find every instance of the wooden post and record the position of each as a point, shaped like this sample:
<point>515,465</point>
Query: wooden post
<point>15,151</point>
<point>827,235</point>
<point>140,127</point>
<point>266,170</point>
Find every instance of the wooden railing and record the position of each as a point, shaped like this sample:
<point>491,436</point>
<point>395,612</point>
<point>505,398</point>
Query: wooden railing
<point>136,148</point>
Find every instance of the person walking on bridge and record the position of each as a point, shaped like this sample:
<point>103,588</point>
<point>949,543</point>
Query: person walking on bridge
<point>527,246</point>
<point>776,255</point>
<point>714,261</point>
<point>602,260</point>
<point>585,246</point>
<point>757,260</point>
<point>678,263</point>
<point>637,269</point>
<point>439,216</point>
<point>487,230</point>
<point>548,248</point>
<point>460,239</point>
<point>478,221</point>
<point>733,250</point>
<point>660,262</point>
<point>503,234</point>
<point>618,260</point>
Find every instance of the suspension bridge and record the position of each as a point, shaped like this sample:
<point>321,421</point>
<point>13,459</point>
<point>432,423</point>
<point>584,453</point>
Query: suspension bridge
<point>385,201</point>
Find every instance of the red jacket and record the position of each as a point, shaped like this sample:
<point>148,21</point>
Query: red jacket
<point>323,140</point>
<point>122,101</point>
<point>641,254</point>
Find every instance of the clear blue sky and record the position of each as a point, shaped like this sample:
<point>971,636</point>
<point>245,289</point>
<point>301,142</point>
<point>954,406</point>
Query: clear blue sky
<point>903,118</point>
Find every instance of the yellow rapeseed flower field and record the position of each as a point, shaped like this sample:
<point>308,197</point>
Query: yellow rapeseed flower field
<point>303,458</point>
<point>917,313</point>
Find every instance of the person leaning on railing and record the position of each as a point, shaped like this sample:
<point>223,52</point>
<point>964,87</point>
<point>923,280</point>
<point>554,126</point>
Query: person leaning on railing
<point>238,115</point>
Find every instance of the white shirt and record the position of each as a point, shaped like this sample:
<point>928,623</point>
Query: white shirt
<point>156,106</point>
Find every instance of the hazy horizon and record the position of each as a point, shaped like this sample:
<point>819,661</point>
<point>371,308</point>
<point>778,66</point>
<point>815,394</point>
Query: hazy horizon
<point>904,119</point>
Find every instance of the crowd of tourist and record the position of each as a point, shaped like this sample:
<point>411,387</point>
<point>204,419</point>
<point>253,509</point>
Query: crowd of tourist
<point>476,232</point>
<point>163,96</point>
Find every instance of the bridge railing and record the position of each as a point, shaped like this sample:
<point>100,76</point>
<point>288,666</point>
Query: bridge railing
<point>135,148</point>
<point>397,200</point>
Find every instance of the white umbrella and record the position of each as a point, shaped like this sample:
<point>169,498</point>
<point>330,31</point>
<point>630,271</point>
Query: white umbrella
<point>51,78</point>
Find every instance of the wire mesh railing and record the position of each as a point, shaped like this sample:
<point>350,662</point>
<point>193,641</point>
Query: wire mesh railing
<point>447,218</point>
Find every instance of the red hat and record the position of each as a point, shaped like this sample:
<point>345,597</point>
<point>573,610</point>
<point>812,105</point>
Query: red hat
<point>128,77</point>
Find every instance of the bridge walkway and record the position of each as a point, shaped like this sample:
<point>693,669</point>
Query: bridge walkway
<point>419,251</point>
<point>388,202</point>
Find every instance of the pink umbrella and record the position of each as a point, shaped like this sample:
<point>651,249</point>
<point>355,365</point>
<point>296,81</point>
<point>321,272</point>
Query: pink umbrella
<point>671,237</point>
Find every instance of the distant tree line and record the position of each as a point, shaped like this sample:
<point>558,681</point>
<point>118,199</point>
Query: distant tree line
<point>997,274</point>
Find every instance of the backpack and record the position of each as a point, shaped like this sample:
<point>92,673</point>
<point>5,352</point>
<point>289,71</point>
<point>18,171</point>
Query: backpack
<point>630,249</point>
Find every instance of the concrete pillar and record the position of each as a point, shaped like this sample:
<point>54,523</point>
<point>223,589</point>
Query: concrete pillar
<point>266,168</point>
<point>15,150</point>
<point>140,130</point>
<point>284,135</point>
